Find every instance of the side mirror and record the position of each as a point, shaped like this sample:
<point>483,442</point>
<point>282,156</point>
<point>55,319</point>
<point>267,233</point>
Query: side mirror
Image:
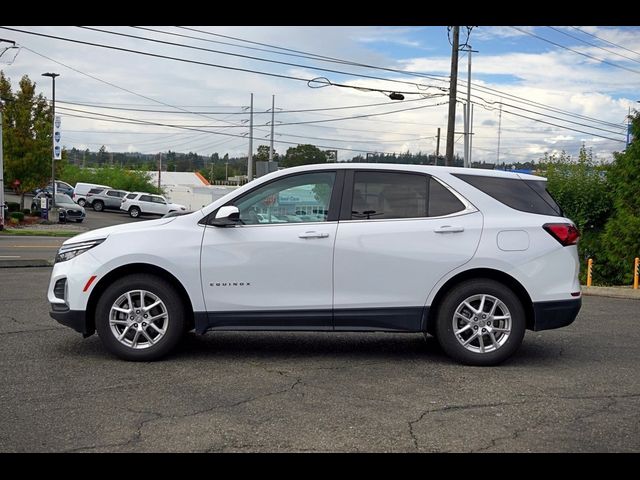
<point>227,216</point>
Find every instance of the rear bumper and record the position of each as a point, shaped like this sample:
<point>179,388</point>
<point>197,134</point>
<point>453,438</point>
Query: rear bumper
<point>556,314</point>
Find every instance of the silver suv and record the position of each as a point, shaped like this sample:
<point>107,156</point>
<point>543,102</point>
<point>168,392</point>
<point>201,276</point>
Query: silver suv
<point>101,198</point>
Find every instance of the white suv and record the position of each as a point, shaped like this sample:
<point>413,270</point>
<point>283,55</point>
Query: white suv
<point>137,203</point>
<point>473,257</point>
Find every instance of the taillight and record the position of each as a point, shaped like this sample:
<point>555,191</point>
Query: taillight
<point>565,233</point>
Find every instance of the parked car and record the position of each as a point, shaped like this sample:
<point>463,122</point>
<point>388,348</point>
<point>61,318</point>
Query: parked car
<point>81,189</point>
<point>139,203</point>
<point>72,211</point>
<point>101,198</point>
<point>471,256</point>
<point>61,187</point>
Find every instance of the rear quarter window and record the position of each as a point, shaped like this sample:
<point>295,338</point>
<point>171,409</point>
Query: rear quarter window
<point>131,196</point>
<point>525,195</point>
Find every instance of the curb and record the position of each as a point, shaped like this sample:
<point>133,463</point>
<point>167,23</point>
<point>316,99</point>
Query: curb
<point>612,292</point>
<point>29,262</point>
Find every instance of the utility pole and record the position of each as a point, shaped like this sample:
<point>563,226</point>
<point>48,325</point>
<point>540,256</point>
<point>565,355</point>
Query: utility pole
<point>438,146</point>
<point>470,134</point>
<point>453,83</point>
<point>467,125</point>
<point>250,158</point>
<point>499,132</point>
<point>1,174</point>
<point>628,127</point>
<point>53,157</point>
<point>273,109</point>
<point>159,169</point>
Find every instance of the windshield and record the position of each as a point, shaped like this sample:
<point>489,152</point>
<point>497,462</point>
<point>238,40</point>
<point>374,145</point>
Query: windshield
<point>62,198</point>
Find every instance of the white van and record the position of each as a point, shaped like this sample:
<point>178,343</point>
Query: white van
<point>81,189</point>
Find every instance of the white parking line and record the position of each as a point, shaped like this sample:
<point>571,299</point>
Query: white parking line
<point>9,256</point>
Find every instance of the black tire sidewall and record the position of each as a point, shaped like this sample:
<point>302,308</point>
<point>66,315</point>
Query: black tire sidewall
<point>444,327</point>
<point>98,206</point>
<point>132,210</point>
<point>158,287</point>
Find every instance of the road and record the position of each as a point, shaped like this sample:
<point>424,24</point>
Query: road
<point>575,389</point>
<point>21,248</point>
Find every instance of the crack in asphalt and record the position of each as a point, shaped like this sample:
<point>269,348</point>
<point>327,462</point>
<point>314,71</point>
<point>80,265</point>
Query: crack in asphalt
<point>137,434</point>
<point>454,407</point>
<point>32,330</point>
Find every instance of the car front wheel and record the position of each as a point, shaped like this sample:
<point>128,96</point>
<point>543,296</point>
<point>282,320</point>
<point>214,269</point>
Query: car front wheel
<point>140,317</point>
<point>480,322</point>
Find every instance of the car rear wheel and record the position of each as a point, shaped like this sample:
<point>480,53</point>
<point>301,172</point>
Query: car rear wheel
<point>82,202</point>
<point>98,205</point>
<point>140,317</point>
<point>480,322</point>
<point>134,212</point>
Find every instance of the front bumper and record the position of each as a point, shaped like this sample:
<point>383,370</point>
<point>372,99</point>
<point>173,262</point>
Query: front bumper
<point>76,319</point>
<point>556,314</point>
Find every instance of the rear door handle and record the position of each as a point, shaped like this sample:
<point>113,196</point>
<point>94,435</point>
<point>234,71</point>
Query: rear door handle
<point>449,229</point>
<point>313,235</point>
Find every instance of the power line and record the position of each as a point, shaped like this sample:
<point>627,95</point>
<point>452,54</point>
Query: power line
<point>593,44</point>
<point>309,81</point>
<point>606,41</point>
<point>106,82</point>
<point>304,54</point>
<point>576,51</point>
<point>348,62</point>
<point>105,106</point>
<point>548,116</point>
<point>115,119</point>
<point>250,57</point>
<point>549,123</point>
<point>290,123</point>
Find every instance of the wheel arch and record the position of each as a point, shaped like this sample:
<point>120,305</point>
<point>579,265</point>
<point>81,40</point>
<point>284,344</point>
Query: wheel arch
<point>130,269</point>
<point>476,273</point>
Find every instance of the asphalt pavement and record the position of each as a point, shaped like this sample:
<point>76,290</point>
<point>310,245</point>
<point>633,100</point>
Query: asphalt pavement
<point>29,248</point>
<point>575,389</point>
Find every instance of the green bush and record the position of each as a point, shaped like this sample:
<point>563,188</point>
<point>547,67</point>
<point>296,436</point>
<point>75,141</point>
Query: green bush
<point>13,206</point>
<point>115,177</point>
<point>17,215</point>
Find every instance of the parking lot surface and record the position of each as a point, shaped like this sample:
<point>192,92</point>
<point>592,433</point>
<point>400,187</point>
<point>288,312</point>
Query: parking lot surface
<point>575,389</point>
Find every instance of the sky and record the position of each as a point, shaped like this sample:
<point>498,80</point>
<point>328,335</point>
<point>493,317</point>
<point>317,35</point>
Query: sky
<point>534,90</point>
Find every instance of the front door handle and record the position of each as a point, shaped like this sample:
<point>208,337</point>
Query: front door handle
<point>449,229</point>
<point>313,235</point>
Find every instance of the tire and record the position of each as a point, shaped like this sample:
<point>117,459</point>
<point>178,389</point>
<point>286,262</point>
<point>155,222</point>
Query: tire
<point>170,318</point>
<point>98,205</point>
<point>507,324</point>
<point>134,212</point>
<point>80,220</point>
<point>82,202</point>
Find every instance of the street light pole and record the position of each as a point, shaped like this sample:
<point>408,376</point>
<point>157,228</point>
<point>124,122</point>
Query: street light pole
<point>53,119</point>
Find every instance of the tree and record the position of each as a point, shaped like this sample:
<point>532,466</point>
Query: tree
<point>621,240</point>
<point>263,154</point>
<point>582,190</point>
<point>27,135</point>
<point>303,155</point>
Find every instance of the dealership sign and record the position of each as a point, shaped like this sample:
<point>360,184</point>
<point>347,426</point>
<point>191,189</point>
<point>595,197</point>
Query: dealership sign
<point>57,146</point>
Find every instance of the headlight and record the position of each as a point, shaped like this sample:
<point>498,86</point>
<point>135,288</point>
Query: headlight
<point>67,252</point>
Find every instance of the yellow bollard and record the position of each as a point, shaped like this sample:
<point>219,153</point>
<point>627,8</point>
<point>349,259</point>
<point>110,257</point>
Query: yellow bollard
<point>636,268</point>
<point>589,269</point>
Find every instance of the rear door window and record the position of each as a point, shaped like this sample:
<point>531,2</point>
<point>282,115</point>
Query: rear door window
<point>385,195</point>
<point>442,201</point>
